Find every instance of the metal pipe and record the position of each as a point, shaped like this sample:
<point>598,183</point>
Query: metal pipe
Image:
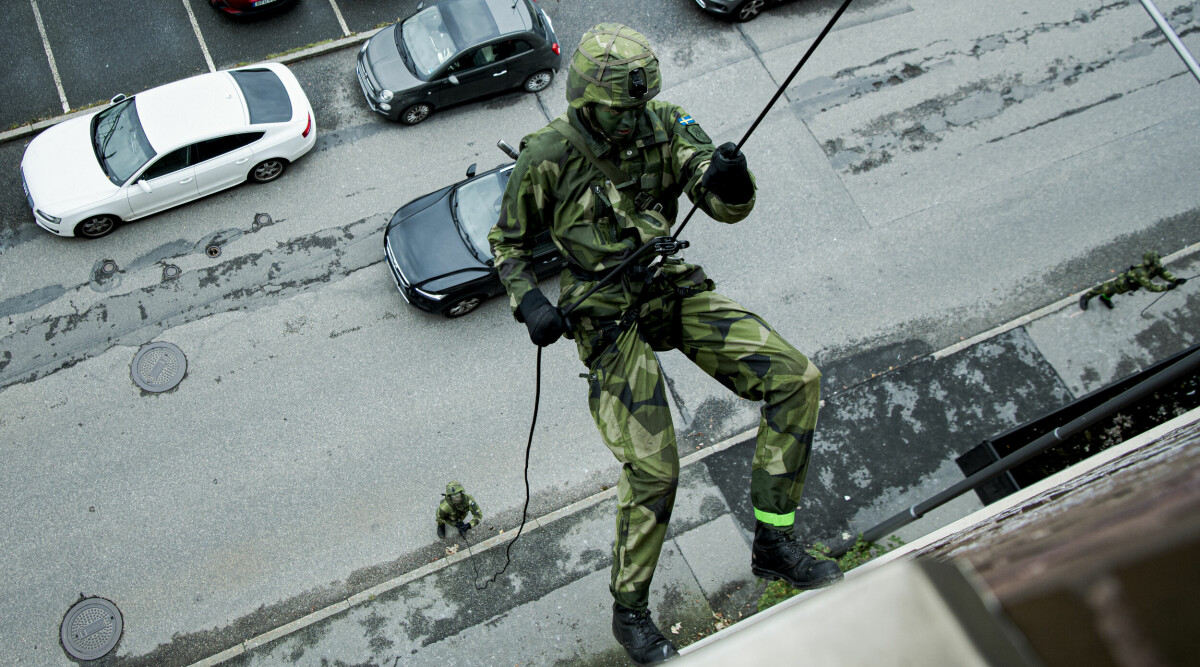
<point>1164,378</point>
<point>1172,38</point>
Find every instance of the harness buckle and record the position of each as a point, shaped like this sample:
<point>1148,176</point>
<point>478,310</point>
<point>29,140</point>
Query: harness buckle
<point>668,245</point>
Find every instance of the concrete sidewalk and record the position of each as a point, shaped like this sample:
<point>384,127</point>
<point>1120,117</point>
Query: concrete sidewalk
<point>551,606</point>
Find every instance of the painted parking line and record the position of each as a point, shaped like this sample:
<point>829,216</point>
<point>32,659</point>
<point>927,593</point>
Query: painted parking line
<point>199,36</point>
<point>62,94</point>
<point>341,21</point>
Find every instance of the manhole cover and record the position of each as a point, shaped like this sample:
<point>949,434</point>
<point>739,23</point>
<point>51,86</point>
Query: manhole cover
<point>262,219</point>
<point>170,271</point>
<point>214,250</point>
<point>108,266</point>
<point>158,367</point>
<point>91,629</point>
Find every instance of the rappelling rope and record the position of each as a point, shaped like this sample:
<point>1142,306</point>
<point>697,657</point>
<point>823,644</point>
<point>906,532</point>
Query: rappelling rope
<point>620,268</point>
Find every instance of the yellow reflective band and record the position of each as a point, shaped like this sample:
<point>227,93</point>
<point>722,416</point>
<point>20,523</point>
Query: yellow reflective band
<point>775,519</point>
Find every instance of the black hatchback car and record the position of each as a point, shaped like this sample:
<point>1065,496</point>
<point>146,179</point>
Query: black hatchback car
<point>437,246</point>
<point>455,51</point>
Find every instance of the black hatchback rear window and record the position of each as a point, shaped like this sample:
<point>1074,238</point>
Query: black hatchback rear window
<point>265,95</point>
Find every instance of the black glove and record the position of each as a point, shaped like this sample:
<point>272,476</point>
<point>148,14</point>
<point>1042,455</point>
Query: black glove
<point>727,176</point>
<point>1172,286</point>
<point>463,526</point>
<point>544,321</point>
<point>1180,281</point>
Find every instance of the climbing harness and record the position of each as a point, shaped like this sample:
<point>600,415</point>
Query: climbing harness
<point>663,247</point>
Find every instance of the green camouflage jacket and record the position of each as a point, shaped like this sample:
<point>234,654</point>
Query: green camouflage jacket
<point>1143,274</point>
<point>450,513</point>
<point>596,225</point>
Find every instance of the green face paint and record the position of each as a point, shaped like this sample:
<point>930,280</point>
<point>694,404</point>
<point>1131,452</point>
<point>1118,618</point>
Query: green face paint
<point>617,124</point>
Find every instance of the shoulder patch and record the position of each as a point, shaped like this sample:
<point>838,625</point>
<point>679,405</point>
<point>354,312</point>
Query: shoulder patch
<point>687,120</point>
<point>698,134</point>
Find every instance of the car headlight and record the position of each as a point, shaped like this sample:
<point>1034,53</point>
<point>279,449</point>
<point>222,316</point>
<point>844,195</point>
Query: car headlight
<point>385,95</point>
<point>47,217</point>
<point>430,295</point>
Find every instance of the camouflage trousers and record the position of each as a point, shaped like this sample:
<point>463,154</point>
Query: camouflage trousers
<point>628,400</point>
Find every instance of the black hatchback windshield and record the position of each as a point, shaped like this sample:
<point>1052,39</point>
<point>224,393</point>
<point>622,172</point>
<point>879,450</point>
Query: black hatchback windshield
<point>434,35</point>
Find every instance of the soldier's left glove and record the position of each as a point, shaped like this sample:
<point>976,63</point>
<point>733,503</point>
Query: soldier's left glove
<point>1180,281</point>
<point>727,176</point>
<point>1172,286</point>
<point>544,321</point>
<point>463,527</point>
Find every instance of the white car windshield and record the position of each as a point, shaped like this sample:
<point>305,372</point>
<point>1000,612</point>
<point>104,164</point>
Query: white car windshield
<point>477,208</point>
<point>119,142</point>
<point>427,40</point>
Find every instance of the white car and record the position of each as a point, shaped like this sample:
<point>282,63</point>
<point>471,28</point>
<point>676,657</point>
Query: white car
<point>166,146</point>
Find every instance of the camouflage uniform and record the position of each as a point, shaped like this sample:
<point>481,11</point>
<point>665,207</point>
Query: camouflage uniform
<point>596,223</point>
<point>455,506</point>
<point>1136,277</point>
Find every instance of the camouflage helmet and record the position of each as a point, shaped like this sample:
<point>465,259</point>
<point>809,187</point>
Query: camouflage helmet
<point>453,488</point>
<point>1151,257</point>
<point>614,66</point>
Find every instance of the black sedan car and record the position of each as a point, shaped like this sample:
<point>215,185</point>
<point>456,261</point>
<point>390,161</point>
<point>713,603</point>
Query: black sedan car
<point>737,10</point>
<point>455,51</point>
<point>437,246</point>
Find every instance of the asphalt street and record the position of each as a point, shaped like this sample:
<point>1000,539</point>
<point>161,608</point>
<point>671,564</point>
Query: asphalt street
<point>63,55</point>
<point>937,169</point>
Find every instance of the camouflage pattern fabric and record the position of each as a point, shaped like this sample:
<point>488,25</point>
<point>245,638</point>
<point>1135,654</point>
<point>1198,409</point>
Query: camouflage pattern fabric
<point>601,65</point>
<point>628,401</point>
<point>455,506</point>
<point>1136,277</point>
<point>596,224</point>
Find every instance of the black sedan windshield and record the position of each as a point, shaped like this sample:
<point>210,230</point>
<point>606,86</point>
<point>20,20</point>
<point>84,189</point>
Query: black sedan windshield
<point>477,209</point>
<point>120,143</point>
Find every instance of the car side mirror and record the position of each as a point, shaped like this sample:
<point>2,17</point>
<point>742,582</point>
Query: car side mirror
<point>471,171</point>
<point>144,186</point>
<point>453,79</point>
<point>121,97</point>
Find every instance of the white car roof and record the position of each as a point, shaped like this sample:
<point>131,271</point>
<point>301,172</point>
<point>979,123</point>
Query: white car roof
<point>191,110</point>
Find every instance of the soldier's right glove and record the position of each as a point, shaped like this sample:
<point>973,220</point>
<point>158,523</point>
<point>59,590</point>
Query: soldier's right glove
<point>727,176</point>
<point>1180,281</point>
<point>544,321</point>
<point>463,527</point>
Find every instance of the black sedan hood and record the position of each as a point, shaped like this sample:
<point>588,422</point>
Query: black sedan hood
<point>426,243</point>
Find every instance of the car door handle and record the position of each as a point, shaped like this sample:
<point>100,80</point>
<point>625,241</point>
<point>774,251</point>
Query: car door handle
<point>242,161</point>
<point>186,180</point>
<point>501,73</point>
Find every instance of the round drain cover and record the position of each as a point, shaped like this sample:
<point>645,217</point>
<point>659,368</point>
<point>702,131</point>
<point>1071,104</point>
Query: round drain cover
<point>158,367</point>
<point>262,219</point>
<point>91,629</point>
<point>170,271</point>
<point>214,250</point>
<point>108,266</point>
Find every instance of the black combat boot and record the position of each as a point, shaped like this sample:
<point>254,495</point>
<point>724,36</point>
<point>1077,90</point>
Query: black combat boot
<point>1083,299</point>
<point>775,555</point>
<point>1106,300</point>
<point>442,530</point>
<point>640,637</point>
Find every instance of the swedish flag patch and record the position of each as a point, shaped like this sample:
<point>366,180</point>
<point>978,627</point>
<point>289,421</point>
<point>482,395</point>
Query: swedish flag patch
<point>687,120</point>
